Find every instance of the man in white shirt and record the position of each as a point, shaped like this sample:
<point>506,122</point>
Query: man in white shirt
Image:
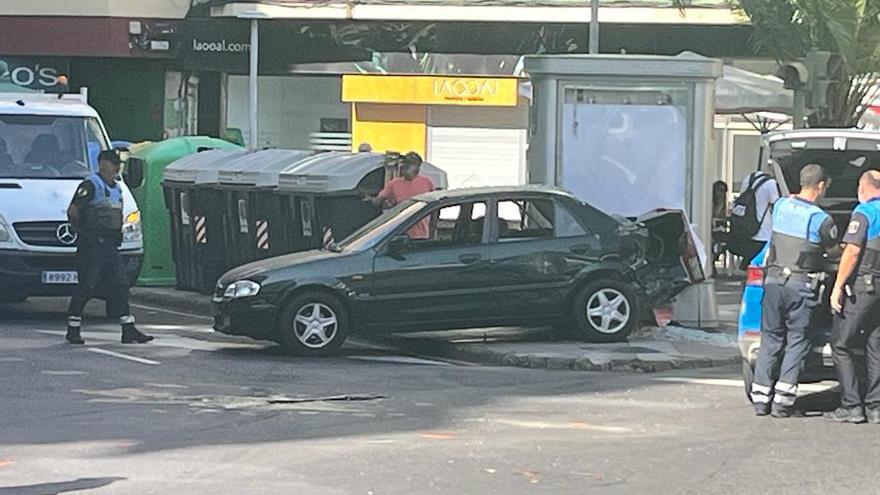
<point>765,195</point>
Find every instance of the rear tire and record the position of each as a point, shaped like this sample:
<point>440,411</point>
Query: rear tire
<point>605,310</point>
<point>748,374</point>
<point>313,324</point>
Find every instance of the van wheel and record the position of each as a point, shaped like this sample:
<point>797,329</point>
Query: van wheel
<point>748,374</point>
<point>313,324</point>
<point>605,311</point>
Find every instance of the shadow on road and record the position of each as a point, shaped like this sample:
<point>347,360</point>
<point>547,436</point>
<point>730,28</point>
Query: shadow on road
<point>59,487</point>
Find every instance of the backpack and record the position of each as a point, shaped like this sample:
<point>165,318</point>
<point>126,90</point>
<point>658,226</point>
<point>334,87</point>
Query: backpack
<point>744,221</point>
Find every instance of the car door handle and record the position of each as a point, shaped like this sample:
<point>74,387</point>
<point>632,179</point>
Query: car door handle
<point>469,259</point>
<point>580,249</point>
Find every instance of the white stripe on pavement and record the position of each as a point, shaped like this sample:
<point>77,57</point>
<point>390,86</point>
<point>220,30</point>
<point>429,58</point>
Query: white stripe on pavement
<point>123,356</point>
<point>399,360</point>
<point>172,312</point>
<point>724,382</point>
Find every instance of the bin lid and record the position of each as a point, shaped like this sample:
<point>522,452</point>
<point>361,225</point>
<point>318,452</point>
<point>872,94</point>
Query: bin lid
<point>261,168</point>
<point>201,168</point>
<point>167,151</point>
<point>342,171</point>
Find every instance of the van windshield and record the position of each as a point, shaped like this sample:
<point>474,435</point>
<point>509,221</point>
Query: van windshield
<point>48,146</point>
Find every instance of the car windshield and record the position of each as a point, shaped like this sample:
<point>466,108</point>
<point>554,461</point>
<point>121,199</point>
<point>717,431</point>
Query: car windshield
<point>845,168</point>
<point>48,147</point>
<point>372,233</point>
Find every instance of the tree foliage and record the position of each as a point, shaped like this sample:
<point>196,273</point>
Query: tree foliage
<point>787,29</point>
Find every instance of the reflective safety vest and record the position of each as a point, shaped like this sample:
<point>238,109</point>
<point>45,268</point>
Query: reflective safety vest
<point>870,264</point>
<point>796,241</point>
<point>104,211</point>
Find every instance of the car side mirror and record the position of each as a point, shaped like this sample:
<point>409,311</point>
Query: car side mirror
<point>399,245</point>
<point>133,175</point>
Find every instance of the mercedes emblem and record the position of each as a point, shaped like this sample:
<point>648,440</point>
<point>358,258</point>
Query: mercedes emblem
<point>66,234</point>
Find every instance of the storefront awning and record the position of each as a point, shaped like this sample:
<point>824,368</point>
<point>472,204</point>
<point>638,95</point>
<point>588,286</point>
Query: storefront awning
<point>707,12</point>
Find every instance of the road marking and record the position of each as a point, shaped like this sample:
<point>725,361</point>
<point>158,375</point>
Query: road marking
<point>172,312</point>
<point>63,373</point>
<point>123,356</point>
<point>729,382</point>
<point>399,360</point>
<point>11,360</point>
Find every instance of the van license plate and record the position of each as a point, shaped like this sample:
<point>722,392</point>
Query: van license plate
<point>60,277</point>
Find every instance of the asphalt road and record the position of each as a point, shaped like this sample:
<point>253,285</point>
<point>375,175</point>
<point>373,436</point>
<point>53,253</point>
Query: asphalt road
<point>198,413</point>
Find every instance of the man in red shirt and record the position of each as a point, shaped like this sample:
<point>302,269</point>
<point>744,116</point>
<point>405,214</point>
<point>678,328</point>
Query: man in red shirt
<point>409,184</point>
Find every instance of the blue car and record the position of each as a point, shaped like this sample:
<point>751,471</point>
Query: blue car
<point>817,366</point>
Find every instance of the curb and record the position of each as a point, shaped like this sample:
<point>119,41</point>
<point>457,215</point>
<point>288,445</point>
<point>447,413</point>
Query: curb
<point>200,305</point>
<point>439,349</point>
<point>188,302</point>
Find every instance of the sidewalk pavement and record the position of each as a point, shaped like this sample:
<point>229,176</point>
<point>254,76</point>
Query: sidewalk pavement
<point>650,349</point>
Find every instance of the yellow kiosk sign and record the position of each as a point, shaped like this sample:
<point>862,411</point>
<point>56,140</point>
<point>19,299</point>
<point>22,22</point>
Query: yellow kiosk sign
<point>430,90</point>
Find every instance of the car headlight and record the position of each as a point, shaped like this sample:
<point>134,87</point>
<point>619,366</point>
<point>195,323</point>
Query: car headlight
<point>131,229</point>
<point>242,288</point>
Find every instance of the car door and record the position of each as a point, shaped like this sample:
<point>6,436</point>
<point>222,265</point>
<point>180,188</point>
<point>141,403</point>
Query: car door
<point>435,280</point>
<point>538,248</point>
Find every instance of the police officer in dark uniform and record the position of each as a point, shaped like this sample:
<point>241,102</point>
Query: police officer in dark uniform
<point>96,213</point>
<point>802,233</point>
<point>856,304</point>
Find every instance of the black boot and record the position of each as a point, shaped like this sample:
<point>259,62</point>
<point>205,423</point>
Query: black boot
<point>73,336</point>
<point>131,335</point>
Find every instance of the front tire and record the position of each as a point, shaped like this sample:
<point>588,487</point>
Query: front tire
<point>605,310</point>
<point>314,324</point>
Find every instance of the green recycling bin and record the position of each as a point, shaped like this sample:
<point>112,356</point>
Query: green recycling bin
<point>158,268</point>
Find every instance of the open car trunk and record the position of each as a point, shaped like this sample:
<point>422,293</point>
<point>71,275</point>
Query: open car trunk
<point>670,261</point>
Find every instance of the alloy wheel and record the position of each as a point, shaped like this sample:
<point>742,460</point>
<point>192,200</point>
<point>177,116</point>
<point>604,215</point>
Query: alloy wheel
<point>315,325</point>
<point>608,311</point>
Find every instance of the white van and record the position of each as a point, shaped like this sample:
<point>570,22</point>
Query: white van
<point>48,144</point>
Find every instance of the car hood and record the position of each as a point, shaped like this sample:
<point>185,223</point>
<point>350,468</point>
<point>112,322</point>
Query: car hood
<point>43,200</point>
<point>259,269</point>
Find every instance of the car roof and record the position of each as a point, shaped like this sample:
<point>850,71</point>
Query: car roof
<point>823,133</point>
<point>477,192</point>
<point>41,104</point>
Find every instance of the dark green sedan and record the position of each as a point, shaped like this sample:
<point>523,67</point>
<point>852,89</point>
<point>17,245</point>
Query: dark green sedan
<point>464,259</point>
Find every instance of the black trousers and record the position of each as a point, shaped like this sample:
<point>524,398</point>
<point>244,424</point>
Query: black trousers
<point>855,342</point>
<point>786,312</point>
<point>99,262</point>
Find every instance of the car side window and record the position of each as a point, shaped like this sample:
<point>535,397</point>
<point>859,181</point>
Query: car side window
<point>449,226</point>
<point>525,219</point>
<point>566,224</point>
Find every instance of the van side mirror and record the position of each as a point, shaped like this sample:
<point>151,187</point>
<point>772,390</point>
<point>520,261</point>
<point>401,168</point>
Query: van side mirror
<point>133,175</point>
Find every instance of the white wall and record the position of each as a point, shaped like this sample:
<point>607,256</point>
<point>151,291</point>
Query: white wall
<point>290,107</point>
<point>161,9</point>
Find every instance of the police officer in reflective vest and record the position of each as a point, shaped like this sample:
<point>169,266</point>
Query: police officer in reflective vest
<point>802,232</point>
<point>96,213</point>
<point>856,304</point>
